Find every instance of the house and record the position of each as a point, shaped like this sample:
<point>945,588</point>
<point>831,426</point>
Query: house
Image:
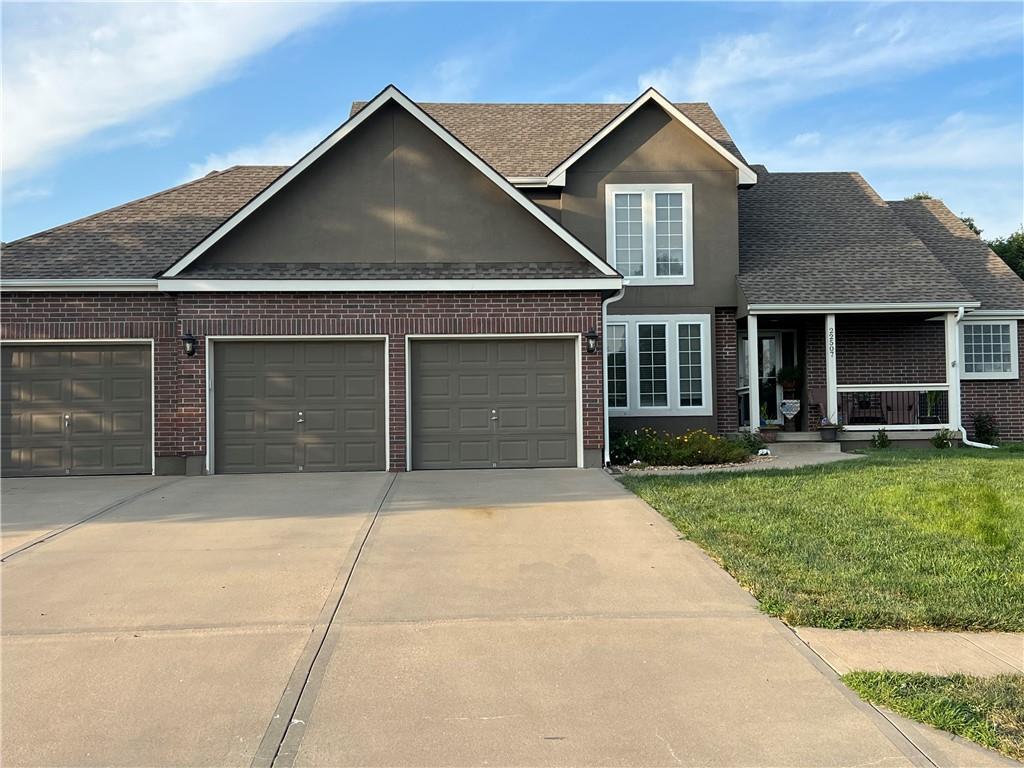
<point>443,286</point>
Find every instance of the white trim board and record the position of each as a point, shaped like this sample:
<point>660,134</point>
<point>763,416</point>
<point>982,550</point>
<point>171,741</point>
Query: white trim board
<point>867,308</point>
<point>127,342</point>
<point>578,337</point>
<point>76,285</point>
<point>186,285</point>
<point>556,178</point>
<point>209,464</point>
<point>389,94</point>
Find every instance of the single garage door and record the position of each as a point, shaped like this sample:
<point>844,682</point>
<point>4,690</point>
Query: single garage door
<point>76,409</point>
<point>298,406</point>
<point>493,403</point>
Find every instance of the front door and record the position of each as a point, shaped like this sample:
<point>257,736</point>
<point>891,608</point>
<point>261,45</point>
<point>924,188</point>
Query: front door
<point>769,363</point>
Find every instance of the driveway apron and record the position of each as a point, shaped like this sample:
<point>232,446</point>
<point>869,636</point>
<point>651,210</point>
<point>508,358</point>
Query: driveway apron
<point>163,631</point>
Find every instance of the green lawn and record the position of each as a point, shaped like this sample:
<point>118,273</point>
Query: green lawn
<point>987,710</point>
<point>901,539</point>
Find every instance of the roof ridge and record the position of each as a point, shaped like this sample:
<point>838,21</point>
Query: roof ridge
<point>118,207</point>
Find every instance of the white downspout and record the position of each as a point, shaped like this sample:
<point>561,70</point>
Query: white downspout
<point>604,366</point>
<point>956,377</point>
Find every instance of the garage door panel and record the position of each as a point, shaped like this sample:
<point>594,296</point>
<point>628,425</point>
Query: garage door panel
<point>336,385</point>
<point>45,424</point>
<point>458,386</point>
<point>86,390</point>
<point>128,389</point>
<point>45,390</point>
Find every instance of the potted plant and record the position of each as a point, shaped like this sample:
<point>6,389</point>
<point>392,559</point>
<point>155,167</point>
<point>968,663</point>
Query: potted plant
<point>769,432</point>
<point>931,415</point>
<point>791,377</point>
<point>828,430</point>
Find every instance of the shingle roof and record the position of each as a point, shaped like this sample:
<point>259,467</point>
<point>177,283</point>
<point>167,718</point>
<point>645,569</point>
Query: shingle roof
<point>813,238</point>
<point>389,271</point>
<point>520,140</point>
<point>976,266</point>
<point>138,239</point>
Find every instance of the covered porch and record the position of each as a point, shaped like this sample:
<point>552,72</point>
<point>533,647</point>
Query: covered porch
<point>859,369</point>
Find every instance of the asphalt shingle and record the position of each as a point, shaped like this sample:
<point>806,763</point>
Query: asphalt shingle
<point>976,266</point>
<point>138,239</point>
<point>521,140</point>
<point>816,238</point>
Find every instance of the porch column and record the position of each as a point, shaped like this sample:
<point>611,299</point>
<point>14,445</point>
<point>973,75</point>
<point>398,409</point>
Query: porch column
<point>753,375</point>
<point>953,370</point>
<point>831,391</point>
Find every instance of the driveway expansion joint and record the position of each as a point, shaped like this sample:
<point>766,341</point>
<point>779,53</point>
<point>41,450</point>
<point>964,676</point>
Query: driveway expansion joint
<point>285,724</point>
<point>91,516</point>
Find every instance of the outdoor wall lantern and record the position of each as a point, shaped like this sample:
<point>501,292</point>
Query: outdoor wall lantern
<point>190,344</point>
<point>591,337</point>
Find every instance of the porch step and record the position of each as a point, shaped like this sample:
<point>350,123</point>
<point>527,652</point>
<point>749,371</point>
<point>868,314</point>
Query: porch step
<point>793,447</point>
<point>798,437</point>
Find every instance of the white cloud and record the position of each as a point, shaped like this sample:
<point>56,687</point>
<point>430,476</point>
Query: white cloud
<point>972,162</point>
<point>798,59</point>
<point>71,70</point>
<point>275,149</point>
<point>23,194</point>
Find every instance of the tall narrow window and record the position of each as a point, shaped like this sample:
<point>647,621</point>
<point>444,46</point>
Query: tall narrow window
<point>629,234</point>
<point>615,349</point>
<point>691,383</point>
<point>669,253</point>
<point>653,365</point>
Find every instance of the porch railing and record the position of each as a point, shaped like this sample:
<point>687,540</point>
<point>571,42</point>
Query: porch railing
<point>893,406</point>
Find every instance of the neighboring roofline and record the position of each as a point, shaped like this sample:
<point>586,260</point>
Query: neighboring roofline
<point>866,307</point>
<point>556,178</point>
<point>391,93</point>
<point>186,284</point>
<point>90,285</point>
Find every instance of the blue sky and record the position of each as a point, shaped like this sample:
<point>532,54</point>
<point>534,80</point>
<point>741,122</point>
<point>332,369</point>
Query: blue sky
<point>105,103</point>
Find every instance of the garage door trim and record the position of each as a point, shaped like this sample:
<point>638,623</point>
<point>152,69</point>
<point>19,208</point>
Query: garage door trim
<point>210,340</point>
<point>410,338</point>
<point>126,342</point>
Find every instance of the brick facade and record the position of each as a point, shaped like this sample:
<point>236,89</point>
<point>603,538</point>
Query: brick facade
<point>726,406</point>
<point>1003,398</point>
<point>180,381</point>
<point>889,349</point>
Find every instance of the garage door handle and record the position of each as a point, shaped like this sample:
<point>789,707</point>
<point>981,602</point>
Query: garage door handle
<point>300,420</point>
<point>494,415</point>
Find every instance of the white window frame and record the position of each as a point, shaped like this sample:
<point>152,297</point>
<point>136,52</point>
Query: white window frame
<point>672,323</point>
<point>647,192</point>
<point>1014,371</point>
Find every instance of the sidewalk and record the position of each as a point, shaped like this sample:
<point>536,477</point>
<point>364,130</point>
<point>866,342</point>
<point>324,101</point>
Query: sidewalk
<point>937,653</point>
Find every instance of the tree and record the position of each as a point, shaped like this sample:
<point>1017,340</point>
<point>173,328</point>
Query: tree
<point>919,196</point>
<point>969,222</point>
<point>1010,250</point>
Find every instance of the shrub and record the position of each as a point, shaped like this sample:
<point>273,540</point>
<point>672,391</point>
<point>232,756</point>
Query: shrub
<point>751,441</point>
<point>986,429</point>
<point>943,438</point>
<point>654,448</point>
<point>881,439</point>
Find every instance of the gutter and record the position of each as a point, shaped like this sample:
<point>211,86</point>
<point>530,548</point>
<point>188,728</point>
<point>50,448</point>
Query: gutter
<point>604,366</point>
<point>959,413</point>
<point>79,285</point>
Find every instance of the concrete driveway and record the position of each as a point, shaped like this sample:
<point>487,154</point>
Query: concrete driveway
<point>462,618</point>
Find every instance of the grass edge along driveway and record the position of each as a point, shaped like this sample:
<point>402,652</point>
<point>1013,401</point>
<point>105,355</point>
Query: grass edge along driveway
<point>987,710</point>
<point>903,539</point>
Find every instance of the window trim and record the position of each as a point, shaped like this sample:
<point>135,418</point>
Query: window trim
<point>1014,371</point>
<point>648,191</point>
<point>672,323</point>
